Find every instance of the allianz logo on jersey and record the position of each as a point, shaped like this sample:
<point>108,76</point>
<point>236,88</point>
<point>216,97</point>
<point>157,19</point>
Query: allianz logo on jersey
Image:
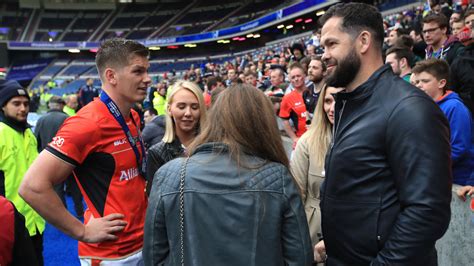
<point>128,174</point>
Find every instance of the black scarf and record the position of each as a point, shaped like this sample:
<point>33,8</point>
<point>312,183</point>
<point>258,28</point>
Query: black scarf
<point>15,124</point>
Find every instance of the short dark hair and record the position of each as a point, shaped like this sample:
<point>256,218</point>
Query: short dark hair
<point>152,111</point>
<point>399,31</point>
<point>402,52</point>
<point>357,17</point>
<point>460,13</point>
<point>117,52</point>
<point>434,3</point>
<point>468,13</point>
<point>436,67</point>
<point>439,19</point>
<point>417,30</point>
<point>212,81</point>
<point>459,20</point>
<point>251,73</point>
<point>405,41</point>
<point>320,59</point>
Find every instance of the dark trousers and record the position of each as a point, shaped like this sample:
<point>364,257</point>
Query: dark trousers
<point>38,246</point>
<point>73,188</point>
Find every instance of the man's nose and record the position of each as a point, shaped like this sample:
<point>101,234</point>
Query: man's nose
<point>147,78</point>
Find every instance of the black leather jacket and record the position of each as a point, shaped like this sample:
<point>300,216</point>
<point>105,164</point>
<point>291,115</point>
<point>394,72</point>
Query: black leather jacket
<point>387,192</point>
<point>233,215</point>
<point>161,153</point>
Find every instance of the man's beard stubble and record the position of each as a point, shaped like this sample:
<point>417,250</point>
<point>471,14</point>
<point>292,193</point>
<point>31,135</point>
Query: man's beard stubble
<point>316,79</point>
<point>345,71</point>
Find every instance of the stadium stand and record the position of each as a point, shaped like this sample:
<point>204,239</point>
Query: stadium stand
<point>144,21</point>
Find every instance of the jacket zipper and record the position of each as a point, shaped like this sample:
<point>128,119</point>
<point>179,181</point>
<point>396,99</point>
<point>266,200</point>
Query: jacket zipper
<point>334,131</point>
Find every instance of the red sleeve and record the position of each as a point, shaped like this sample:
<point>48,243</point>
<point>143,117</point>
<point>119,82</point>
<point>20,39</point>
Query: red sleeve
<point>75,140</point>
<point>7,236</point>
<point>285,107</point>
<point>207,99</point>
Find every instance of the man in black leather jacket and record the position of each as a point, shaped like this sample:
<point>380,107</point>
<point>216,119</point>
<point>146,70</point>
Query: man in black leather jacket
<point>386,196</point>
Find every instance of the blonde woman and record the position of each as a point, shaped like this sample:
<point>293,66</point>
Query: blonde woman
<point>307,163</point>
<point>185,113</point>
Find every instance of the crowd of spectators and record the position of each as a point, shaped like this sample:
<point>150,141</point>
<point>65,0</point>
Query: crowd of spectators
<point>435,31</point>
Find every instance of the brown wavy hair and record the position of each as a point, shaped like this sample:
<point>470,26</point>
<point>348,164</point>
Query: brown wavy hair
<point>243,119</point>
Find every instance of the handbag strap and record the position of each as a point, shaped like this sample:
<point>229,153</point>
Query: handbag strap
<point>181,207</point>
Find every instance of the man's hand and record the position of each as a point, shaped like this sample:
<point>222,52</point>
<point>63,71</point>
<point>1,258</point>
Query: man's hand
<point>103,229</point>
<point>466,190</point>
<point>320,252</point>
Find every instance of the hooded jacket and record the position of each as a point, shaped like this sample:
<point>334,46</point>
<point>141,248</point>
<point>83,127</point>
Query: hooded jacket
<point>387,192</point>
<point>462,145</point>
<point>449,51</point>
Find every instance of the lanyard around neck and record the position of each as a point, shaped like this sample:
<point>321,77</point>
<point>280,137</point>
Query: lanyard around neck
<point>114,110</point>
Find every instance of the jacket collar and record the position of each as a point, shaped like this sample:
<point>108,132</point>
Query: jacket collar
<point>448,95</point>
<point>55,111</point>
<point>17,126</point>
<point>212,147</point>
<point>366,88</point>
<point>447,43</point>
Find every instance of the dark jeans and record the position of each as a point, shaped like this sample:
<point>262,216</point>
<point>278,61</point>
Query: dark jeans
<point>73,188</point>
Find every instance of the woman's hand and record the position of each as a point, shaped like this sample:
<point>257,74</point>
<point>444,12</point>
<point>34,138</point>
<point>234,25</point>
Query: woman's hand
<point>320,252</point>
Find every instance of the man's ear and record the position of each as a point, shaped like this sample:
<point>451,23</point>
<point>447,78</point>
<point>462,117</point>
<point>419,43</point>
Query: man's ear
<point>365,41</point>
<point>111,76</point>
<point>444,30</point>
<point>403,62</point>
<point>442,83</point>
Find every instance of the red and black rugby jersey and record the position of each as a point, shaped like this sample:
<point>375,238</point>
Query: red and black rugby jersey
<point>107,174</point>
<point>293,107</point>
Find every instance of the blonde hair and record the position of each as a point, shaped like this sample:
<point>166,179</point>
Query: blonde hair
<point>319,134</point>
<point>170,133</point>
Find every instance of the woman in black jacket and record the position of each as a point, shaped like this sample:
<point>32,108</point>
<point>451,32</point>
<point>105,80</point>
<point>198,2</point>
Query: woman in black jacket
<point>185,113</point>
<point>233,201</point>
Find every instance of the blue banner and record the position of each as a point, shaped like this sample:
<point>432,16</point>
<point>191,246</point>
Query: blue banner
<point>200,37</point>
<point>27,70</point>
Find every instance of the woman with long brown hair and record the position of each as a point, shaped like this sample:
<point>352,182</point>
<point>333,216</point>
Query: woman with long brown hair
<point>307,163</point>
<point>233,201</point>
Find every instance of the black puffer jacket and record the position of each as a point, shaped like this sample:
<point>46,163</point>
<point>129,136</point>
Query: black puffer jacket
<point>232,215</point>
<point>387,192</point>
